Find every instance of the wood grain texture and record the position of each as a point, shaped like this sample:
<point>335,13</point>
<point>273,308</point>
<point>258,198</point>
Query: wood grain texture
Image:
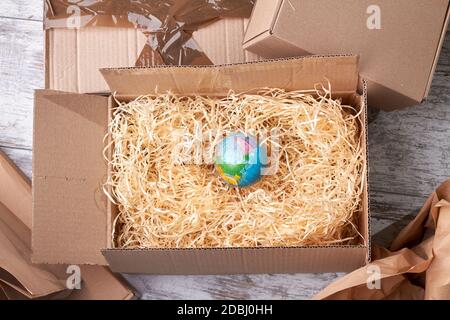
<point>22,9</point>
<point>409,157</point>
<point>21,71</point>
<point>264,286</point>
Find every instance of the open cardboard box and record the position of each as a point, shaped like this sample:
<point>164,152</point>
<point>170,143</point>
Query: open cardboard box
<point>398,41</point>
<point>72,218</point>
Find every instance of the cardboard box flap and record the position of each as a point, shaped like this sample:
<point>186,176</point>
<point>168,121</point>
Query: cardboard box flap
<point>70,216</point>
<point>262,18</point>
<point>290,74</point>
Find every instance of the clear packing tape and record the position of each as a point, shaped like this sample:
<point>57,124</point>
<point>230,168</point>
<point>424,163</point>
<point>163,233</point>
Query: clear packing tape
<point>167,24</point>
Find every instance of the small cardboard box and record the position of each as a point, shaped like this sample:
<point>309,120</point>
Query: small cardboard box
<point>398,41</point>
<point>72,218</point>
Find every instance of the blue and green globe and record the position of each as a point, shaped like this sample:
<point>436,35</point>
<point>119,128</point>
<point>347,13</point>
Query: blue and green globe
<point>239,159</point>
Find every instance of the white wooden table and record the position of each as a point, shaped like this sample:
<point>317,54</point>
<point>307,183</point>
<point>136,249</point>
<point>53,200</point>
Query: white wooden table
<point>409,157</point>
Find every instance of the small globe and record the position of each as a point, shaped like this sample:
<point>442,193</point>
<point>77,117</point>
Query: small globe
<point>239,159</point>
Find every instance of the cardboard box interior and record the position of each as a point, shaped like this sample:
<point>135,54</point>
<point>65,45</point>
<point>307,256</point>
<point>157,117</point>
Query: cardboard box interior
<point>397,59</point>
<point>73,57</point>
<point>69,171</point>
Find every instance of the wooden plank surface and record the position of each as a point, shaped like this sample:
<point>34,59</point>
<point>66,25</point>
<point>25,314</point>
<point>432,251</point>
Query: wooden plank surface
<point>409,157</point>
<point>22,9</point>
<point>21,71</point>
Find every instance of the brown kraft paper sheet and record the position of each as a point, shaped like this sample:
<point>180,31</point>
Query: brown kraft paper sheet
<point>416,266</point>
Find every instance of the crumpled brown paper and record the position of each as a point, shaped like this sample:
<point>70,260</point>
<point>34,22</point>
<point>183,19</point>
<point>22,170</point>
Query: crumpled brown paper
<point>19,278</point>
<point>168,24</point>
<point>416,266</point>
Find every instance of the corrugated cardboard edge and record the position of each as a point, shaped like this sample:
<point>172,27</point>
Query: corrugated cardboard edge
<point>367,171</point>
<point>135,81</point>
<point>107,71</point>
<point>110,207</point>
<point>438,52</point>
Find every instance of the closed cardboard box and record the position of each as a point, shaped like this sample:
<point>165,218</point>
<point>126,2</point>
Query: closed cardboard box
<point>72,218</point>
<point>398,41</point>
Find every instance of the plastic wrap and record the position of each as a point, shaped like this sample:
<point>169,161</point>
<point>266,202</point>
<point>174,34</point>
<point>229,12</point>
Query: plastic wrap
<point>167,24</point>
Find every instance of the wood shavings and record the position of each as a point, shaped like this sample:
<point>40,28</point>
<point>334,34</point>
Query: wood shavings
<point>165,201</point>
